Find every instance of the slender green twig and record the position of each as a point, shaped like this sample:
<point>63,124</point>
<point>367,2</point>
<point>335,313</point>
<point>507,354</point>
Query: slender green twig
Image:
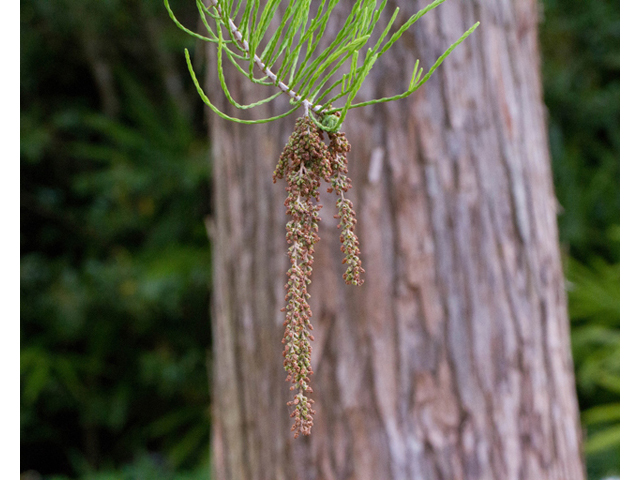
<point>300,76</point>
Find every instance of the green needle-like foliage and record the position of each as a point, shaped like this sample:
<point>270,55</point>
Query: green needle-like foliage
<point>289,59</point>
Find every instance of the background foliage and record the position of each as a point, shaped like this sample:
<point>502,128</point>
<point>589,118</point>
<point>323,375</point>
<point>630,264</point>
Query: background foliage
<point>115,262</point>
<point>581,67</point>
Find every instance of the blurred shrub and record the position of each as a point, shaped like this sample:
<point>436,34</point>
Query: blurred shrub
<point>115,261</point>
<point>594,300</point>
<point>145,468</point>
<point>580,42</point>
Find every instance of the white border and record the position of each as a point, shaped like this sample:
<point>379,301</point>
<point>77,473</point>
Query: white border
<point>630,239</point>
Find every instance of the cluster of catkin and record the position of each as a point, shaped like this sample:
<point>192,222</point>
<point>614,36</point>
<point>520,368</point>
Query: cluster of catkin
<point>304,163</point>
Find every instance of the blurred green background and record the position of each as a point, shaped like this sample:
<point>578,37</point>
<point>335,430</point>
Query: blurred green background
<point>115,260</point>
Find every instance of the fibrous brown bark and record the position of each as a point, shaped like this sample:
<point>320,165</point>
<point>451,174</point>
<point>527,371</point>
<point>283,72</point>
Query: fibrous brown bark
<point>452,361</point>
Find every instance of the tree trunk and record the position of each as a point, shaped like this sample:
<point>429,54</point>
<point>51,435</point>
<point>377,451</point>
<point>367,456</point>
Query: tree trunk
<point>452,361</point>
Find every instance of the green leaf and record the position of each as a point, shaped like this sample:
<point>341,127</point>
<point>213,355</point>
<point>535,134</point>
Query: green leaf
<point>427,76</point>
<point>594,291</point>
<point>603,440</point>
<point>207,102</point>
<point>602,413</point>
<point>413,75</point>
<point>196,436</point>
<point>34,372</point>
<point>183,28</point>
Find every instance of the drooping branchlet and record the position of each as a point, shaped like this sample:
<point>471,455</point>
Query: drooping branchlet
<point>340,183</point>
<point>305,161</point>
